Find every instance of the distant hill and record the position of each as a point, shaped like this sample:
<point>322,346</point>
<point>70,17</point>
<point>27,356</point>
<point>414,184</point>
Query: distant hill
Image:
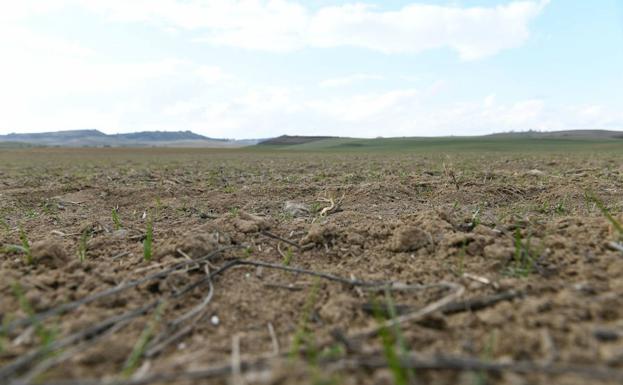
<point>568,134</point>
<point>95,138</point>
<point>585,140</point>
<point>163,136</point>
<point>320,142</point>
<point>287,140</point>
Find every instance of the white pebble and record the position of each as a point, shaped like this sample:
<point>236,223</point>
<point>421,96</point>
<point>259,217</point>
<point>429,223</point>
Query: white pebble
<point>215,321</point>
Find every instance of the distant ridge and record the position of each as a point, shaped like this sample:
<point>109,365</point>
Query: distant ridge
<point>288,140</point>
<point>96,138</point>
<point>566,134</point>
<point>297,140</point>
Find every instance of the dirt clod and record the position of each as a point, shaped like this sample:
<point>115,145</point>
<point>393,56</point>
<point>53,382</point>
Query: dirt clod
<point>409,238</point>
<point>49,252</point>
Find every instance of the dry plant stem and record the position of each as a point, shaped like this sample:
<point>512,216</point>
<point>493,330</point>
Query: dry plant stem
<point>615,246</point>
<point>273,236</point>
<point>447,303</point>
<point>480,302</point>
<point>86,333</point>
<point>472,304</point>
<point>28,358</point>
<point>236,371</point>
<point>451,362</point>
<point>105,293</point>
<point>197,313</point>
<point>273,339</point>
<point>326,276</point>
<point>413,360</point>
<point>456,291</point>
<point>48,363</point>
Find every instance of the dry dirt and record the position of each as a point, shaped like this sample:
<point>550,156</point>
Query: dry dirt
<point>515,232</point>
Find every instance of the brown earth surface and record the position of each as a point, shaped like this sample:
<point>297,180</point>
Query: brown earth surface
<point>501,268</point>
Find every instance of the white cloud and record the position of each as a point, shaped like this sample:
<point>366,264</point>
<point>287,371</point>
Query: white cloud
<point>213,74</point>
<point>473,32</point>
<point>348,80</point>
<point>50,83</point>
<point>282,25</point>
<point>366,107</point>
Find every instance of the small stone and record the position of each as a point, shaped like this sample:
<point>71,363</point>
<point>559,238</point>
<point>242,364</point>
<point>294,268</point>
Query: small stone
<point>121,233</point>
<point>214,320</point>
<point>606,335</point>
<point>296,209</point>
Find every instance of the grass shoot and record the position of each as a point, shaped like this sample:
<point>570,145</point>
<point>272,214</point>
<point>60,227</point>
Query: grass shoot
<point>46,336</point>
<point>82,246</point>
<point>149,238</point>
<point>134,359</point>
<point>115,219</point>
<point>604,210</point>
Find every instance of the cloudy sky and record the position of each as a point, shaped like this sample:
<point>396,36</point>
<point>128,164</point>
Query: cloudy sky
<point>254,68</point>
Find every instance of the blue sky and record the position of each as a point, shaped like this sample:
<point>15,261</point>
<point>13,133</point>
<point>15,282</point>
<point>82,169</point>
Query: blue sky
<point>249,69</point>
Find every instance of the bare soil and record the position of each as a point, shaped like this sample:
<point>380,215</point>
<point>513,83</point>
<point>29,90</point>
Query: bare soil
<point>512,266</point>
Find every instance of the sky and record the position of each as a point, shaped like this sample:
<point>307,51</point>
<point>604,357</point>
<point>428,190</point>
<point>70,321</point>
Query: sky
<point>258,69</point>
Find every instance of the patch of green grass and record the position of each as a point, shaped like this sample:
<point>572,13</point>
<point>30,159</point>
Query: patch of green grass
<point>476,217</point>
<point>149,238</point>
<point>524,258</point>
<point>481,377</point>
<point>229,189</point>
<point>315,208</point>
<point>31,213</point>
<point>134,359</point>
<point>506,144</point>
<point>288,256</point>
<point>248,251</point>
<point>233,211</point>
<point>304,339</point>
<point>303,336</point>
<point>460,263</point>
<point>25,247</point>
<point>46,336</point>
<point>115,219</point>
<point>82,246</point>
<point>604,210</point>
<point>6,320</point>
<point>394,345</point>
<point>50,208</point>
<point>159,207</point>
<point>5,225</point>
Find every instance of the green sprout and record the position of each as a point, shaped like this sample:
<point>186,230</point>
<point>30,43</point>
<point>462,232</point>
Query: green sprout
<point>604,210</point>
<point>3,332</point>
<point>131,364</point>
<point>524,257</point>
<point>288,256</point>
<point>115,219</point>
<point>481,377</point>
<point>303,335</point>
<point>82,246</point>
<point>147,242</point>
<point>46,336</point>
<point>394,345</point>
<point>24,248</point>
<point>5,225</point>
